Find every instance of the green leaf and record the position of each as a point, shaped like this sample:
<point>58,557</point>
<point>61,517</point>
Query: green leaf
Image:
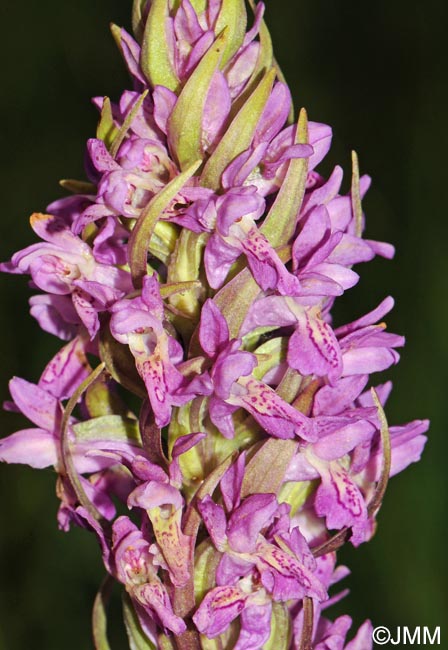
<point>155,60</point>
<point>176,288</point>
<point>99,616</point>
<point>197,463</point>
<point>198,5</point>
<point>282,78</point>
<point>289,386</point>
<point>275,454</point>
<point>239,135</point>
<point>280,636</point>
<point>122,132</point>
<point>100,400</point>
<point>236,297</point>
<point>108,427</point>
<point>296,493</point>
<point>377,499</point>
<point>163,240</point>
<point>266,54</point>
<point>120,363</point>
<point>270,354</point>
<point>356,195</point>
<point>227,639</point>
<point>193,519</point>
<point>186,266</point>
<point>69,468</point>
<point>106,129</point>
<point>206,560</point>
<point>304,400</point>
<point>116,35</point>
<point>141,235</point>
<point>233,16</point>
<point>137,638</point>
<point>137,18</point>
<point>306,638</point>
<point>185,123</point>
<point>280,223</point>
<point>77,187</point>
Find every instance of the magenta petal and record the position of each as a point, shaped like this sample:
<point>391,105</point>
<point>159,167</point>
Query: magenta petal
<point>101,158</point>
<point>131,54</point>
<point>35,403</point>
<point>332,635</point>
<point>241,67</point>
<point>346,278</point>
<point>237,203</point>
<point>82,302</point>
<point>232,482</point>
<point>255,512</point>
<point>221,415</point>
<point>231,568</point>
<point>300,469</point>
<point>218,609</point>
<point>142,468</point>
<point>363,640</point>
<point>320,139</point>
<point>239,169</point>
<point>215,521</point>
<point>197,52</point>
<point>255,627</point>
<point>276,416</point>
<point>331,400</point>
<point>366,360</point>
<point>164,102</point>
<point>66,371</point>
<point>99,497</point>
<point>33,447</point>
<point>338,498</point>
<point>266,266</point>
<point>55,315</point>
<point>216,110</point>
<point>343,440</point>
<point>184,444</point>
<point>218,258</point>
<point>407,443</point>
<point>186,23</point>
<point>156,385</point>
<point>382,248</point>
<point>153,494</point>
<point>312,232</point>
<point>229,367</point>
<point>274,114</point>
<point>285,577</point>
<point>153,595</point>
<point>213,329</point>
<point>369,319</point>
<point>269,311</point>
<point>313,348</point>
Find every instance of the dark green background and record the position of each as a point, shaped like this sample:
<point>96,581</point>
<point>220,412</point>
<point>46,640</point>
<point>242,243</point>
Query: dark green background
<point>375,72</point>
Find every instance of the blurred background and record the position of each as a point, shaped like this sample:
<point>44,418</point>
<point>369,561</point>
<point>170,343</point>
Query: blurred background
<point>376,72</point>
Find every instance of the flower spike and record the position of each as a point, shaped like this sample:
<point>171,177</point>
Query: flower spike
<point>196,267</point>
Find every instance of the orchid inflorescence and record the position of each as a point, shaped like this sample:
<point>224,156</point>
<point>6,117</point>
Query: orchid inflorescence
<point>202,383</point>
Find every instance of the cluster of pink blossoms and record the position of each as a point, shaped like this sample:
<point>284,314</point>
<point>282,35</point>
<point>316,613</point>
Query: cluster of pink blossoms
<point>194,274</point>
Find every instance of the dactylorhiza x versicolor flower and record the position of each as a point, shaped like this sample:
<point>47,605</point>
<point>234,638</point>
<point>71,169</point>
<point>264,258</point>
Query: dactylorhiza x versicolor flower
<point>194,272</point>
